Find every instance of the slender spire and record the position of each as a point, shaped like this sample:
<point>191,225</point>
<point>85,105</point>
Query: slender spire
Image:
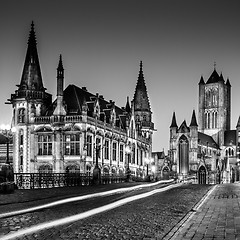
<point>194,120</point>
<point>60,77</point>
<point>31,75</point>
<point>174,122</point>
<point>228,83</point>
<point>201,81</point>
<point>238,123</point>
<point>141,101</point>
<point>128,108</point>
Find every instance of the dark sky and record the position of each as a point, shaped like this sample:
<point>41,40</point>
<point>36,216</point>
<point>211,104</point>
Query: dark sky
<point>103,41</point>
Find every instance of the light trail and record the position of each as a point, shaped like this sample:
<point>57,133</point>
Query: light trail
<point>80,198</point>
<point>86,214</point>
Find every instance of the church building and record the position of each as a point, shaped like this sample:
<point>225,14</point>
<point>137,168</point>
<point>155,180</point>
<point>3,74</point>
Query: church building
<point>207,148</point>
<point>78,130</point>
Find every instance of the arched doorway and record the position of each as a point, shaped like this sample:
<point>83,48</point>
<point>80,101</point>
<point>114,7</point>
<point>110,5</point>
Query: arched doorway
<point>233,178</point>
<point>202,175</point>
<point>183,155</point>
<point>165,173</point>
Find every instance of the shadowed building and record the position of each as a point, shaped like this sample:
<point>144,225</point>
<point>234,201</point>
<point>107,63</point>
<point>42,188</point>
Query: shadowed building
<point>78,129</point>
<point>207,148</point>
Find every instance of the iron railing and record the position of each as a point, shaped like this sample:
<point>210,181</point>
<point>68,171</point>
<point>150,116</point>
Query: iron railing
<point>50,180</point>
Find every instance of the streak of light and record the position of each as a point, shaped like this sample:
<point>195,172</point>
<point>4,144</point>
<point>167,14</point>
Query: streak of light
<point>86,214</point>
<point>80,198</point>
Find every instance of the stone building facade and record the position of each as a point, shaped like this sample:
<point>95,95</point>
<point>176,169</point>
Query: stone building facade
<point>78,129</point>
<point>207,149</point>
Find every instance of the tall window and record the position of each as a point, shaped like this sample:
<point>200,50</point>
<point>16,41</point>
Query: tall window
<point>183,155</point>
<point>133,153</point>
<point>114,151</point>
<point>106,149</point>
<point>98,144</point>
<point>21,115</point>
<point>72,144</point>
<point>121,152</point>
<point>44,144</point>
<point>89,145</point>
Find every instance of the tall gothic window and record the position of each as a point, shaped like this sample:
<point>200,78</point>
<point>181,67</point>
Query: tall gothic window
<point>106,149</point>
<point>183,155</point>
<point>121,152</point>
<point>72,144</point>
<point>44,144</point>
<point>89,145</point>
<point>21,115</point>
<point>114,151</point>
<point>133,153</point>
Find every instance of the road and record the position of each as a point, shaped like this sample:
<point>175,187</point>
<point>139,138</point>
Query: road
<point>141,219</point>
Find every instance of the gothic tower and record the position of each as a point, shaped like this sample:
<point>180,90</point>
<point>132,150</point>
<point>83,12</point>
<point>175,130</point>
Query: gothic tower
<point>141,106</point>
<point>28,101</point>
<point>214,106</point>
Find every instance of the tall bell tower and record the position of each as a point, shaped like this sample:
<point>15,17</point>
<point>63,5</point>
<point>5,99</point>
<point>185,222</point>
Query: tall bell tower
<point>214,106</point>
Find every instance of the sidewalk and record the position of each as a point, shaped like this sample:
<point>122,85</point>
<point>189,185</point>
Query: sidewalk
<point>28,195</point>
<point>218,217</point>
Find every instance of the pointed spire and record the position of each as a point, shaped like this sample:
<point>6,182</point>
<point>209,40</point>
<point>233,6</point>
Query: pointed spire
<point>194,120</point>
<point>238,123</point>
<point>221,79</point>
<point>60,77</point>
<point>228,83</point>
<point>174,122</point>
<point>31,75</point>
<point>201,81</point>
<point>128,108</point>
<point>141,101</point>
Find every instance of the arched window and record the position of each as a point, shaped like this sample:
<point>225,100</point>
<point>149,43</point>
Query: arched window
<point>208,120</point>
<point>73,169</point>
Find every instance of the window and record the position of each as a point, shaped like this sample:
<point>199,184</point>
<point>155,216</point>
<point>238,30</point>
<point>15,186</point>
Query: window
<point>72,144</point>
<point>45,144</point>
<point>106,149</point>
<point>114,151</point>
<point>133,154</point>
<point>21,115</point>
<point>121,153</point>
<point>98,145</point>
<point>89,145</point>
<point>45,169</point>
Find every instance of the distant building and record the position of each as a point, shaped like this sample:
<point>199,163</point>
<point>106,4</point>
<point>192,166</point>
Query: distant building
<point>78,129</point>
<point>208,149</point>
<point>6,148</point>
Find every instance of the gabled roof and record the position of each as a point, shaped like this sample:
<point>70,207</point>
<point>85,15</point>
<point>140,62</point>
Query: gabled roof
<point>183,128</point>
<point>230,137</point>
<point>160,155</point>
<point>207,140</point>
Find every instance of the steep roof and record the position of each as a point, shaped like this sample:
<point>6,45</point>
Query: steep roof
<point>193,120</point>
<point>207,140</point>
<point>31,75</point>
<point>214,77</point>
<point>141,101</point>
<point>230,137</point>
<point>174,122</point>
<point>75,97</point>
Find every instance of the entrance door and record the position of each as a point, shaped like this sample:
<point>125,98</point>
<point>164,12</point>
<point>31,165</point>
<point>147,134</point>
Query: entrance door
<point>202,176</point>
<point>165,173</point>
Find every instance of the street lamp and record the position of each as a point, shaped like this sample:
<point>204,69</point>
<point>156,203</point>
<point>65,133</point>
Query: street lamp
<point>147,161</point>
<point>96,170</point>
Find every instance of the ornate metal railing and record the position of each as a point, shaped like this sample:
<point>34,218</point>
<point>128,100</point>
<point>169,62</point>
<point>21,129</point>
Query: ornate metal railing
<point>50,180</point>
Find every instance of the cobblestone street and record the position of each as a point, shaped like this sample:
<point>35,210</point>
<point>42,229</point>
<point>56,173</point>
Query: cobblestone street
<point>151,217</point>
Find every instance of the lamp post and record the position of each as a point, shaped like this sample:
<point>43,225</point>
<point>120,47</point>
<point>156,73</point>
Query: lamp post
<point>128,150</point>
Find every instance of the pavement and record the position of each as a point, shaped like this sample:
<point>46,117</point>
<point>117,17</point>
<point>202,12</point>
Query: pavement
<point>217,216</point>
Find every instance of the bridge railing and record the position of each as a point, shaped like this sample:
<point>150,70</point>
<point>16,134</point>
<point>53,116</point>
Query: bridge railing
<point>50,180</point>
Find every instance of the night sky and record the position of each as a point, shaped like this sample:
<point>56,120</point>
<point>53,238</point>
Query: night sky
<point>102,43</point>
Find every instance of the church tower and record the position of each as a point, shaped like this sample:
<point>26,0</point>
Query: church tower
<point>29,100</point>
<point>214,106</point>
<point>141,105</point>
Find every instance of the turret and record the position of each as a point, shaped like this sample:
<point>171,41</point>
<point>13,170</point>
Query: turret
<point>59,110</point>
<point>173,126</point>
